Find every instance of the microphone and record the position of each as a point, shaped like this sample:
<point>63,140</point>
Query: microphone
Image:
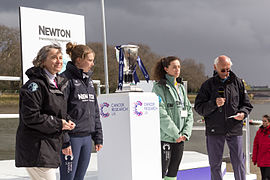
<point>221,94</point>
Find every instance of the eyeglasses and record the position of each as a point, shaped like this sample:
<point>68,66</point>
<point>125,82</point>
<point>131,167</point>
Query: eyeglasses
<point>225,70</point>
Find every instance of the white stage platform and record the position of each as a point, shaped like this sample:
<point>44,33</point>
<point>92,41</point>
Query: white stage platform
<point>193,165</point>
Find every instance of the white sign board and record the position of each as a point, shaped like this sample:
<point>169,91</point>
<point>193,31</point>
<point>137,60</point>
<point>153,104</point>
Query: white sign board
<point>42,27</point>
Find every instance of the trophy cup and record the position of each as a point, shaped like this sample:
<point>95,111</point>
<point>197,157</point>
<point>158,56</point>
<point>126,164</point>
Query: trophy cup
<point>127,56</point>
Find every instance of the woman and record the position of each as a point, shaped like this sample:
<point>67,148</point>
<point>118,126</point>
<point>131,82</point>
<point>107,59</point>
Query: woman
<point>176,117</point>
<point>261,148</point>
<point>83,108</point>
<point>43,116</point>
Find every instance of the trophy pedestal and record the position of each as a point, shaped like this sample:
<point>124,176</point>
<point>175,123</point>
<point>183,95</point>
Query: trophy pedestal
<point>131,130</point>
<point>129,88</point>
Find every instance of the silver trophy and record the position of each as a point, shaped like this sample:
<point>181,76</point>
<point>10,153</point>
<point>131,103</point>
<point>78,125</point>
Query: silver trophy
<point>130,55</point>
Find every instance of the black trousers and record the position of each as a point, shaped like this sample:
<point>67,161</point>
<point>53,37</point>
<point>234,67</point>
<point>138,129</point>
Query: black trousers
<point>171,156</point>
<point>265,172</point>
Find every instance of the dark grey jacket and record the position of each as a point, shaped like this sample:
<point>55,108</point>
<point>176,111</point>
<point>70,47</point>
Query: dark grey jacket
<point>237,100</point>
<point>39,135</point>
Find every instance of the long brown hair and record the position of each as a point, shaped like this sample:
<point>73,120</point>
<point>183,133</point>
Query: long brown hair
<point>158,70</point>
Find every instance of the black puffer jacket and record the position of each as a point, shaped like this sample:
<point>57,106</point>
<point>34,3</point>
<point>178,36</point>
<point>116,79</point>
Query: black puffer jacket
<point>237,100</point>
<point>39,135</point>
<point>82,104</point>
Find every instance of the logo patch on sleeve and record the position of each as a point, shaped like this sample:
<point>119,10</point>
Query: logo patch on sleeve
<point>33,87</point>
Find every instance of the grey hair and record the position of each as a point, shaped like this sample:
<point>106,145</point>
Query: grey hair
<point>43,54</point>
<point>217,59</point>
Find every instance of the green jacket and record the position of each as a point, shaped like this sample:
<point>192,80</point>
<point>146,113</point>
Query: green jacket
<point>172,125</point>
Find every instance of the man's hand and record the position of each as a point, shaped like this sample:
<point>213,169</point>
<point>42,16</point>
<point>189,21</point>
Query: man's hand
<point>239,116</point>
<point>220,101</point>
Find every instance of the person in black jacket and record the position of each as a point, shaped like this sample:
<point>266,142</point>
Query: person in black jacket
<point>224,103</point>
<point>43,116</point>
<point>83,108</point>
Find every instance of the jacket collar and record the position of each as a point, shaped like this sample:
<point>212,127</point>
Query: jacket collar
<point>78,72</point>
<point>265,129</point>
<point>170,79</point>
<point>39,73</point>
<point>218,80</point>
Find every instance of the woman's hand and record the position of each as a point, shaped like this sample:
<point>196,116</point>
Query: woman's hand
<point>67,125</point>
<point>67,151</point>
<point>181,138</point>
<point>98,147</point>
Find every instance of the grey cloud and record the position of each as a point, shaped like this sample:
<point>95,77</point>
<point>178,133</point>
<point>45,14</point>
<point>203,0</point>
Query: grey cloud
<point>194,29</point>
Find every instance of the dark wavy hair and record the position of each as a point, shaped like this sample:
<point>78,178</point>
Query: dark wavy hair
<point>158,70</point>
<point>267,117</point>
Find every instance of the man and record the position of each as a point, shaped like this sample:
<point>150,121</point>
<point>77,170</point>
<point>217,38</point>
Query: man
<point>224,103</point>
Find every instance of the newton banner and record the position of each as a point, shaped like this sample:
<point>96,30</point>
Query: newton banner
<point>41,27</point>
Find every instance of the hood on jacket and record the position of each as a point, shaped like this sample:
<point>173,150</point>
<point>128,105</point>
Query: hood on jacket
<point>35,72</point>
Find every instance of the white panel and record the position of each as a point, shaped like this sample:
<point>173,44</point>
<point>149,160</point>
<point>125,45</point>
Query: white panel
<point>42,27</point>
<point>131,137</point>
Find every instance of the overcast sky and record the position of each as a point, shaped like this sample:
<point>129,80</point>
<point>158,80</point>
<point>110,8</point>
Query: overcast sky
<point>197,29</point>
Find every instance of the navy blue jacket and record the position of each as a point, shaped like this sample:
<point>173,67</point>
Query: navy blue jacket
<point>82,104</point>
<point>237,100</point>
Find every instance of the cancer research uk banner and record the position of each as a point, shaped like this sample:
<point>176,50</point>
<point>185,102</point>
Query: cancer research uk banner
<point>42,27</point>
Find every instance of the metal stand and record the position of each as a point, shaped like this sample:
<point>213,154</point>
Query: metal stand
<point>129,87</point>
<point>247,146</point>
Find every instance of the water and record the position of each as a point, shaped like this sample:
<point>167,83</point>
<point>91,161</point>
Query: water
<point>8,129</point>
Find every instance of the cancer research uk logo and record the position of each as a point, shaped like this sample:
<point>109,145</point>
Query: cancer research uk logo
<point>143,108</point>
<point>107,109</point>
<point>138,108</point>
<point>103,112</point>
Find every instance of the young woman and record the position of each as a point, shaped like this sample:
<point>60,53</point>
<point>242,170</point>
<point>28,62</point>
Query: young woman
<point>261,148</point>
<point>176,117</point>
<point>43,116</point>
<point>83,108</point>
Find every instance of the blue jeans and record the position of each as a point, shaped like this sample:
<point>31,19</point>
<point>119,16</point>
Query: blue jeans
<point>77,167</point>
<point>215,147</point>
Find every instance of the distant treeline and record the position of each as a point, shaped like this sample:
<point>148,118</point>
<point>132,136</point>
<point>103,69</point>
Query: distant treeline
<point>10,62</point>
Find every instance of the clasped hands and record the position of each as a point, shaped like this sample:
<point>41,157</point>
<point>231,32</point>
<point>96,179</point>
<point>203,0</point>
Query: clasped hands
<point>68,125</point>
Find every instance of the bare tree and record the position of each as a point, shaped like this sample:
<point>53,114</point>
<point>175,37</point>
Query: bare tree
<point>10,60</point>
<point>193,73</point>
<point>9,56</point>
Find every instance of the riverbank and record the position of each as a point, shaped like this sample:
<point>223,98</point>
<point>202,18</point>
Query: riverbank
<point>9,99</point>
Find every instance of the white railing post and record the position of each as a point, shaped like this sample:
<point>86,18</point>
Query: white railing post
<point>247,146</point>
